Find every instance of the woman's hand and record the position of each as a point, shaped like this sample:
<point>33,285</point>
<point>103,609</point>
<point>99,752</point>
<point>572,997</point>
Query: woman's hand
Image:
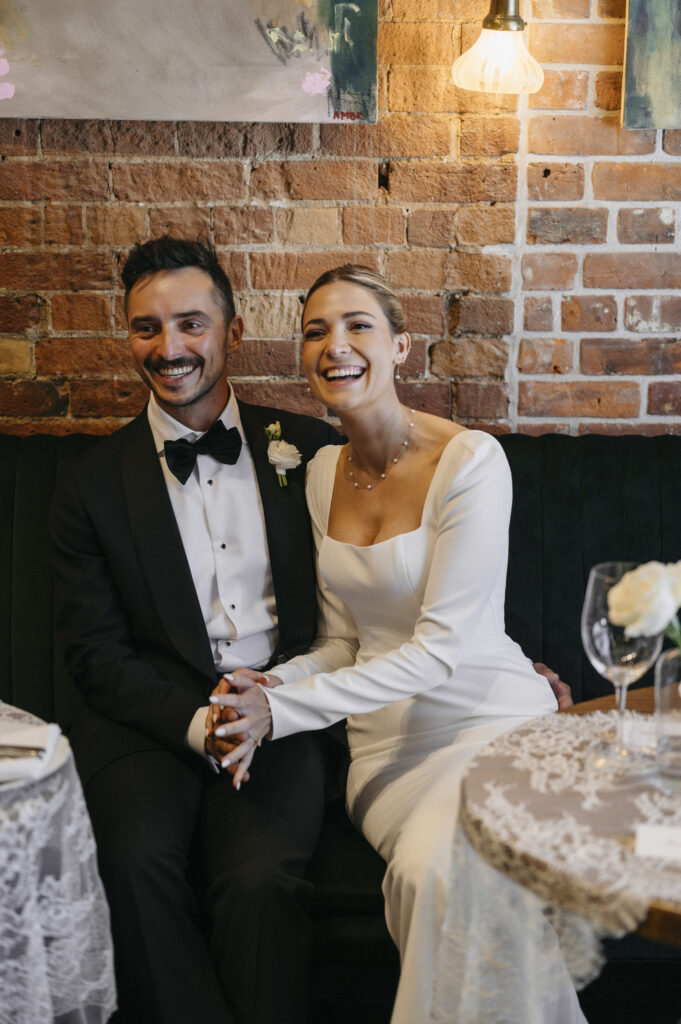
<point>254,721</point>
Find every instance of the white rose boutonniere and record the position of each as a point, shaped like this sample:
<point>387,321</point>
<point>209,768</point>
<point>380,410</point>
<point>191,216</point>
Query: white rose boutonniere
<point>646,600</point>
<point>280,453</point>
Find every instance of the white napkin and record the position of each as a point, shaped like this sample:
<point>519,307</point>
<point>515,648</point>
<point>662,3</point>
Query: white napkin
<point>33,766</point>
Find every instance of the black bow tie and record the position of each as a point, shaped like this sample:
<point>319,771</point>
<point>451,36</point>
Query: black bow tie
<point>224,445</point>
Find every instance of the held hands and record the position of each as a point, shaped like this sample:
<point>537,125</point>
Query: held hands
<point>561,690</point>
<point>245,718</point>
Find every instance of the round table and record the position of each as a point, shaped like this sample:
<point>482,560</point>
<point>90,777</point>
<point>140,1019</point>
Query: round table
<point>56,955</point>
<point>535,808</point>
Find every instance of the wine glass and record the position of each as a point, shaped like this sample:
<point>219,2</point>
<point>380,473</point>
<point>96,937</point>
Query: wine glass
<point>619,658</point>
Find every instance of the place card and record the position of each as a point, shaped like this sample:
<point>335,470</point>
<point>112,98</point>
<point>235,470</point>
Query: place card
<point>661,841</point>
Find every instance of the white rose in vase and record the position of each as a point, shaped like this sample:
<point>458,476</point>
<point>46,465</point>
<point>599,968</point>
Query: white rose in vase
<point>646,599</point>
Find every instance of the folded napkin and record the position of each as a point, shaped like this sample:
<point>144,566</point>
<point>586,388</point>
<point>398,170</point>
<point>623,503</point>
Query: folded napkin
<point>41,738</point>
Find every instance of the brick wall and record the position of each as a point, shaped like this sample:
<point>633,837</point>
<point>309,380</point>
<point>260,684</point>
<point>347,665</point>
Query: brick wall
<point>533,242</point>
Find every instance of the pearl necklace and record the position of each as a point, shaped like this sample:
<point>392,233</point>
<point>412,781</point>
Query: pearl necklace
<point>396,458</point>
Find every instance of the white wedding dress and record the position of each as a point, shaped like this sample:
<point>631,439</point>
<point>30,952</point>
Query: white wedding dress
<point>412,650</point>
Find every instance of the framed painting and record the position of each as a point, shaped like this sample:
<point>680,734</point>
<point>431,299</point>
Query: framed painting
<point>210,60</point>
<point>652,65</point>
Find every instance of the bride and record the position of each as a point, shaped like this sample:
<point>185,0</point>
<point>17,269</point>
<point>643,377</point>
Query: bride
<point>410,521</point>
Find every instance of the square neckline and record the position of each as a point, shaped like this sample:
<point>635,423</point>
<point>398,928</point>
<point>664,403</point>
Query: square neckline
<point>405,533</point>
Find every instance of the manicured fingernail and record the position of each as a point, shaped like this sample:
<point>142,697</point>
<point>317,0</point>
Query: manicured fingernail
<point>220,731</point>
<point>238,786</point>
<point>228,677</point>
<point>225,762</point>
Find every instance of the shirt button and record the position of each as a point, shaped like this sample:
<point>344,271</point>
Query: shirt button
<point>232,606</point>
<point>228,643</point>
<point>210,482</point>
<point>223,546</point>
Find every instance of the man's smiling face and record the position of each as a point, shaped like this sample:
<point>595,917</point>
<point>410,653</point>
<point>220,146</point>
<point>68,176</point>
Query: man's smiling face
<point>180,343</point>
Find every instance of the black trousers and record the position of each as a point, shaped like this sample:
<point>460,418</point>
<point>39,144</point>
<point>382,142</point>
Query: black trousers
<point>239,951</point>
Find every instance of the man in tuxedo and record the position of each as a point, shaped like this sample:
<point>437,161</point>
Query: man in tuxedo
<point>178,557</point>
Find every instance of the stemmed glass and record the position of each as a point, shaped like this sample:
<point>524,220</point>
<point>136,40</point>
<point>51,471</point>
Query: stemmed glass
<point>619,658</point>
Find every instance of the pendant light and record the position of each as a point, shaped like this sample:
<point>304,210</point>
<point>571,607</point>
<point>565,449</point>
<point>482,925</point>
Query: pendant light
<point>499,61</point>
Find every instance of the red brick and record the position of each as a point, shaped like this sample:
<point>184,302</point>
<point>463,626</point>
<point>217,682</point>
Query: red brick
<point>72,180</point>
<point>549,271</point>
<point>117,225</point>
<point>555,181</point>
<point>373,225</point>
<point>308,225</point>
<point>279,270</point>
<point>415,43</point>
<point>562,90</point>
<point>258,358</point>
<point>672,142</point>
<point>538,429</point>
<point>647,313</point>
<point>421,269</point>
<point>557,224</point>
<point>32,398</point>
<point>16,357</point>
<point>435,398</point>
<point>315,179</point>
<point>240,225</point>
<point>637,181</point>
<point>489,136</point>
<point>80,357</point>
<point>271,314</point>
<point>632,270</point>
<point>108,397</point>
<point>281,394</point>
<point>430,90</point>
<point>395,135</point>
<point>210,139</point>
<point>585,135</point>
<point>424,314</point>
<point>18,313</point>
<point>608,90</point>
<point>560,8</point>
<point>481,314</point>
<point>63,224</point>
<point>163,181</point>
<point>415,363</point>
<point>480,400</point>
<point>612,429</point>
<point>75,311</point>
<point>436,182</point>
<point>645,225</point>
<point>545,355</point>
<point>588,313</point>
<point>430,227</point>
<point>612,8</point>
<point>439,10</point>
<point>578,399</point>
<point>664,398</point>
<point>18,137</point>
<point>234,265</point>
<point>577,44</point>
<point>538,313</point>
<point>48,271</point>
<point>180,221</point>
<point>19,225</point>
<point>484,357</point>
<point>115,138</point>
<point>485,225</point>
<point>623,356</point>
<point>480,272</point>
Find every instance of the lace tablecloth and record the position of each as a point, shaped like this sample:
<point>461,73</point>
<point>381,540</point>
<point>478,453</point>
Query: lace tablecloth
<point>537,808</point>
<point>56,956</point>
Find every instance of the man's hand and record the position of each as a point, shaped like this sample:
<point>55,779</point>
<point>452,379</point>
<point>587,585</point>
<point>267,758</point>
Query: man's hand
<point>253,721</point>
<point>218,748</point>
<point>561,690</point>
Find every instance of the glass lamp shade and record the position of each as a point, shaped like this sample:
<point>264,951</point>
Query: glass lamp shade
<point>498,62</point>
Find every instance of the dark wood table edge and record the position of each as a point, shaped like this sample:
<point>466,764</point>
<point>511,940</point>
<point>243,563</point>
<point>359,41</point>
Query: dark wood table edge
<point>663,923</point>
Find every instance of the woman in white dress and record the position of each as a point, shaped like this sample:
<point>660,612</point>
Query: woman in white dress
<point>410,520</point>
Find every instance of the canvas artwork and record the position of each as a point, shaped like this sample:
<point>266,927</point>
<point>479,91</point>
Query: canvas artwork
<point>213,60</point>
<point>652,76</point>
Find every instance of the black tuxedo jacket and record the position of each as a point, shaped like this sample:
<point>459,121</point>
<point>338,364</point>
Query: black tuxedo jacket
<point>128,617</point>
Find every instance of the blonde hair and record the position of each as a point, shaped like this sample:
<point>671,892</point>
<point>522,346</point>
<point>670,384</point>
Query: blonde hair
<point>355,273</point>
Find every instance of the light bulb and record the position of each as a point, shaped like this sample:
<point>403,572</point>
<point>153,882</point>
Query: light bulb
<point>498,62</point>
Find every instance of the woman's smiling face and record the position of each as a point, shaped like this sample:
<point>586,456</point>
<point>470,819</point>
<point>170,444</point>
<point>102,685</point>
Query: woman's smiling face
<point>349,350</point>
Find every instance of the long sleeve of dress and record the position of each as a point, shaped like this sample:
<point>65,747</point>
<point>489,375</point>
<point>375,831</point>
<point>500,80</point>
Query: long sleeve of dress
<point>473,501</point>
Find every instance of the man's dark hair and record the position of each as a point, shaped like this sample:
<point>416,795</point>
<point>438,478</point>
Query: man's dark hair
<point>166,253</point>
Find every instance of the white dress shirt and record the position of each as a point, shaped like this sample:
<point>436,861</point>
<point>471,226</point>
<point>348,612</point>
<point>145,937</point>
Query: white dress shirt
<point>222,525</point>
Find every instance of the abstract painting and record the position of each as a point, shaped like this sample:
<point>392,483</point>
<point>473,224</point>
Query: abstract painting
<point>208,60</point>
<point>652,75</point>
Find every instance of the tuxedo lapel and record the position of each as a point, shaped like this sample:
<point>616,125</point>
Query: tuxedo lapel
<point>288,536</point>
<point>159,547</point>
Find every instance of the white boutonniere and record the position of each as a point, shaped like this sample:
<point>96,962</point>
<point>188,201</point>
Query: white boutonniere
<point>280,453</point>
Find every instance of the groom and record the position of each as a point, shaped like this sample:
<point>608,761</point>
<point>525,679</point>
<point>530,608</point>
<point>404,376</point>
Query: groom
<point>178,557</point>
